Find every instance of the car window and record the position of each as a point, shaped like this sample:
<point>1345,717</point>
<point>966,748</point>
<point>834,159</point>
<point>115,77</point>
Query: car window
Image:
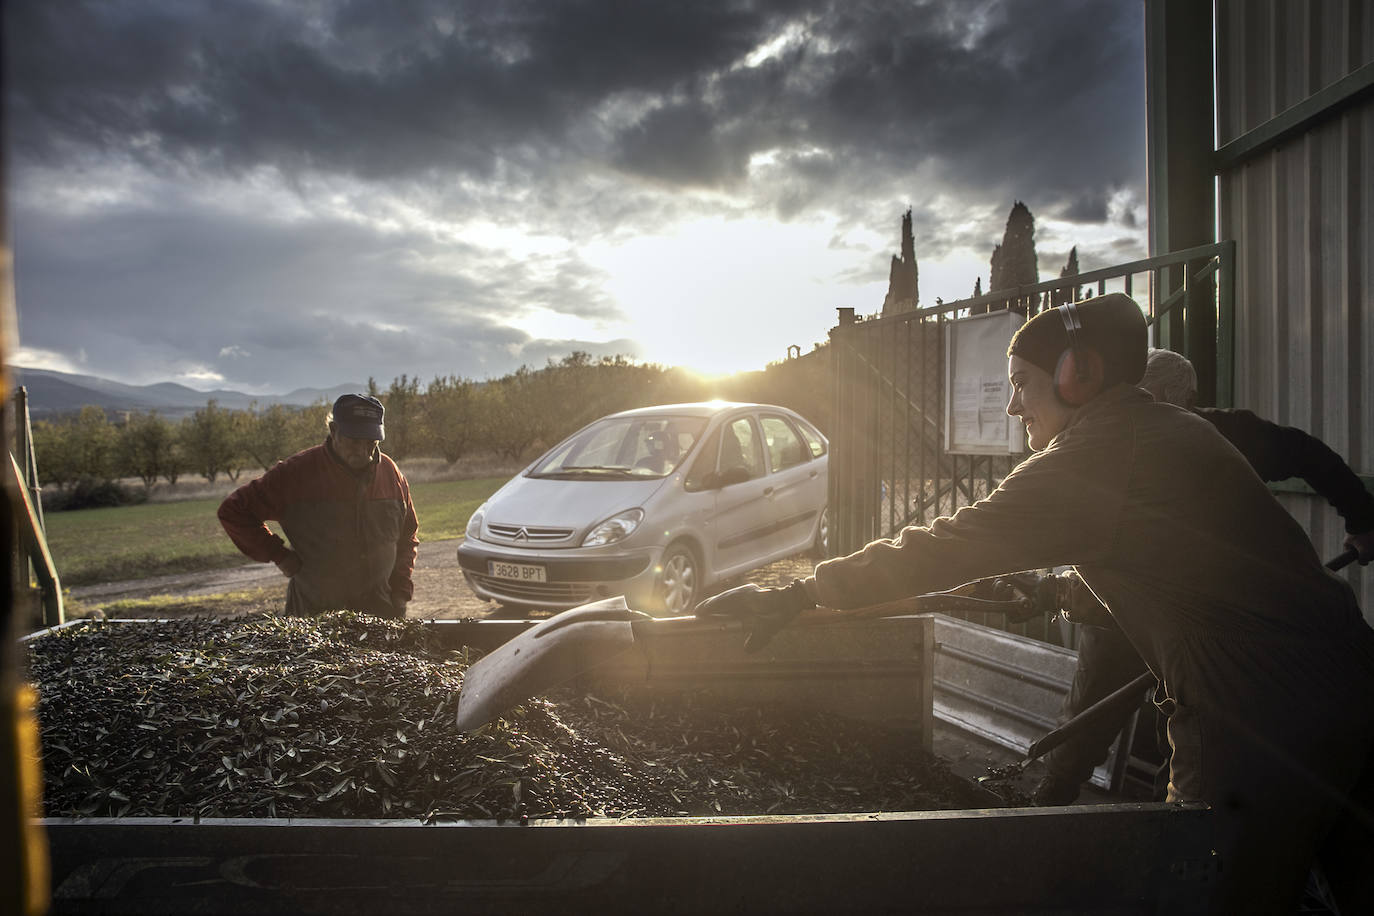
<point>624,447</point>
<point>740,447</point>
<point>704,464</point>
<point>814,441</point>
<point>785,447</point>
<point>601,447</point>
<point>660,444</point>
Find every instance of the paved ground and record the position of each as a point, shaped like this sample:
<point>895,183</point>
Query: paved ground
<point>441,592</point>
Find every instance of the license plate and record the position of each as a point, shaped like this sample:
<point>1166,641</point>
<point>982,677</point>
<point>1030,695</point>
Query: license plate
<point>522,572</point>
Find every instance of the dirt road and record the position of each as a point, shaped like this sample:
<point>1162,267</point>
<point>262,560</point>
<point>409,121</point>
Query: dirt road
<point>441,592</point>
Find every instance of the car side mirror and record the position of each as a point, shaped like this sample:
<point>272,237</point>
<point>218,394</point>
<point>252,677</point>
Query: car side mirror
<point>728,477</point>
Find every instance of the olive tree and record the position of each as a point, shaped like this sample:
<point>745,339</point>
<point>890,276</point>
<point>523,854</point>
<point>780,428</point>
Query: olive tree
<point>57,461</point>
<point>269,434</point>
<point>452,416</point>
<point>148,448</point>
<point>94,442</point>
<point>402,403</point>
<point>208,436</point>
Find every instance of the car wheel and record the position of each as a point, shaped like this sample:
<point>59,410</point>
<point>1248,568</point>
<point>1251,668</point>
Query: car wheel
<point>820,547</point>
<point>679,582</point>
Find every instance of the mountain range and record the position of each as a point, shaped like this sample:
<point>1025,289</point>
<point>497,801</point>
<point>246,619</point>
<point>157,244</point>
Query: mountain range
<point>51,392</point>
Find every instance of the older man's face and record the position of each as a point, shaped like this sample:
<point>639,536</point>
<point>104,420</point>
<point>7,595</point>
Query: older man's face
<point>356,453</point>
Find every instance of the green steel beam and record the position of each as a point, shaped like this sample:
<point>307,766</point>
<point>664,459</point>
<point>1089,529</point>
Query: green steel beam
<point>1296,120</point>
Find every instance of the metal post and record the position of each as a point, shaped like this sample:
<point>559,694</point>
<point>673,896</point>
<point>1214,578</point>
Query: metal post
<point>25,450</point>
<point>1226,325</point>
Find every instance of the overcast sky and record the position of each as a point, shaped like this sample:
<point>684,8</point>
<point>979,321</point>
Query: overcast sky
<point>268,195</point>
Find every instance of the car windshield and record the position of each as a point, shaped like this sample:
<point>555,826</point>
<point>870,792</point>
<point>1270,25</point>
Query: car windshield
<point>624,448</point>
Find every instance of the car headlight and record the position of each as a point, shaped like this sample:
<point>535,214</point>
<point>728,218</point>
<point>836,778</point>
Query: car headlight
<point>616,528</point>
<point>474,528</point>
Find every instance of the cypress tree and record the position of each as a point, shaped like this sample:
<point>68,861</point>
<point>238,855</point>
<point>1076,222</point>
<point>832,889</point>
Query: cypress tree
<point>903,292</point>
<point>1068,293</point>
<point>1013,261</point>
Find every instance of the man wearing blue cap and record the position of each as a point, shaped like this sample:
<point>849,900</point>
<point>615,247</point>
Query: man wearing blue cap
<point>346,510</point>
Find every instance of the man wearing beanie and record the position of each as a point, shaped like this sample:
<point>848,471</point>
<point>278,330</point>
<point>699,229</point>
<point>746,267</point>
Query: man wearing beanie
<point>345,508</point>
<point>1106,659</point>
<point>1265,663</point>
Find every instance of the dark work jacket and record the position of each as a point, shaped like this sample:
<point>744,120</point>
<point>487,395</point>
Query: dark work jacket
<point>354,532</point>
<point>1215,584</point>
<point>1280,452</point>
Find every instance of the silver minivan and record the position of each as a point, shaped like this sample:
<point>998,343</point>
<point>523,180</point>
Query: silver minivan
<point>657,504</point>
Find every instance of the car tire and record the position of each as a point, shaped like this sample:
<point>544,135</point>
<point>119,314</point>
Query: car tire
<point>820,547</point>
<point>679,580</point>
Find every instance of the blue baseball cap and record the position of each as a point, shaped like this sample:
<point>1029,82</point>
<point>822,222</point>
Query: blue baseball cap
<point>359,416</point>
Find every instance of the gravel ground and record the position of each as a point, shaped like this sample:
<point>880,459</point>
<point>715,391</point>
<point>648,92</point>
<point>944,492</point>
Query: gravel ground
<point>441,592</point>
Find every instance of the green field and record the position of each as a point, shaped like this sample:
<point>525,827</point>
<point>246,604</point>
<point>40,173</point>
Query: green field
<point>131,542</point>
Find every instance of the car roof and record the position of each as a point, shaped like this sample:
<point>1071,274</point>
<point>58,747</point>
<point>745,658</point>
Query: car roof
<point>697,409</point>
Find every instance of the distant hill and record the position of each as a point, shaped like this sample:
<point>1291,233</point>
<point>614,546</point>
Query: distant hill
<point>52,392</point>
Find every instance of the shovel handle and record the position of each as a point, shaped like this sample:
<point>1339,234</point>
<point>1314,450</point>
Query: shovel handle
<point>1109,705</point>
<point>916,604</point>
<point>1345,559</point>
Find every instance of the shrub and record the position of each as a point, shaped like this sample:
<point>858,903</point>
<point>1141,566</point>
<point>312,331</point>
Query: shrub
<point>92,493</point>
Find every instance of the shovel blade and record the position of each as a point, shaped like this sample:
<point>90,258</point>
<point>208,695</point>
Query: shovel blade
<point>549,653</point>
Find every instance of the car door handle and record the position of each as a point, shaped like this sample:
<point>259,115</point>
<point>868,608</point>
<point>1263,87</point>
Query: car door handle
<point>813,474</point>
<point>767,491</point>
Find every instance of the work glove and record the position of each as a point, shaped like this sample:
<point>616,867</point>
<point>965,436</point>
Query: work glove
<point>763,611</point>
<point>1077,603</point>
<point>1037,594</point>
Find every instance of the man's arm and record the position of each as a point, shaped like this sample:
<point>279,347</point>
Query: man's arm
<point>1056,508</point>
<point>244,514</point>
<point>407,545</point>
<point>1280,452</point>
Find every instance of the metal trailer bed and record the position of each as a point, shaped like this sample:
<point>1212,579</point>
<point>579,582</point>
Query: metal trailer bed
<point>1101,859</point>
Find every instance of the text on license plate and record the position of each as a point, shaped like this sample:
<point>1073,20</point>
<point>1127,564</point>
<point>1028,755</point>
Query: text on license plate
<point>524,572</point>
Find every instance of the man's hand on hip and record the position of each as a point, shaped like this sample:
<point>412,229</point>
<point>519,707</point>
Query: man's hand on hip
<point>290,564</point>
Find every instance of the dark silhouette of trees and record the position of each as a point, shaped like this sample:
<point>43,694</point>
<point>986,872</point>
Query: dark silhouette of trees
<point>903,286</point>
<point>1070,269</point>
<point>1014,262</point>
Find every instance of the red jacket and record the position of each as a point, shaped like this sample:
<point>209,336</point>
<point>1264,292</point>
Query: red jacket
<point>354,532</point>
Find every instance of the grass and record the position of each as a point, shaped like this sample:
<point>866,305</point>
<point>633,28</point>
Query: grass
<point>133,542</point>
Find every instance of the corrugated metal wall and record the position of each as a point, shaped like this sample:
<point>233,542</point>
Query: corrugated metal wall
<point>1302,214</point>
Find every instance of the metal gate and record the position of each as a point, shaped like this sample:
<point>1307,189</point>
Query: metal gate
<point>888,464</point>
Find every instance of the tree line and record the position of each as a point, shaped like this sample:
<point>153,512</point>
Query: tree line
<point>451,417</point>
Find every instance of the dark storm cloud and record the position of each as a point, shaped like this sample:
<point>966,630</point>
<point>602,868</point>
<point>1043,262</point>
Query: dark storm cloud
<point>377,90</point>
<point>993,91</point>
<point>1089,207</point>
<point>577,119</point>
